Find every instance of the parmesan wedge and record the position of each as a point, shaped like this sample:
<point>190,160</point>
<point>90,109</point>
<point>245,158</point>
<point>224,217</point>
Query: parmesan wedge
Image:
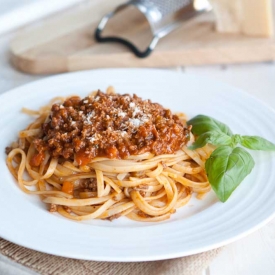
<point>249,17</point>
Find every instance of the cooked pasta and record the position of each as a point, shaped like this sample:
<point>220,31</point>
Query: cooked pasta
<point>108,156</point>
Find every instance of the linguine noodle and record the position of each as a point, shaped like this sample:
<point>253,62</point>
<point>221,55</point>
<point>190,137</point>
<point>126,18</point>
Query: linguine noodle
<point>144,187</point>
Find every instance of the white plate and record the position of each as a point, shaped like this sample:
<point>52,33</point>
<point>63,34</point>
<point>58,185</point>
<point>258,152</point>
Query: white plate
<point>200,226</point>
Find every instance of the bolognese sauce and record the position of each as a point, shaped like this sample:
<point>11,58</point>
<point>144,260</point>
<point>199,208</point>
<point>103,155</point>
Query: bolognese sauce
<point>109,125</point>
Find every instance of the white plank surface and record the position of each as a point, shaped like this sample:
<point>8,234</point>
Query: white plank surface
<point>16,13</point>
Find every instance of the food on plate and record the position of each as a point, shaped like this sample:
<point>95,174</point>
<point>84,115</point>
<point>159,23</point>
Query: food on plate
<point>229,163</point>
<point>110,155</point>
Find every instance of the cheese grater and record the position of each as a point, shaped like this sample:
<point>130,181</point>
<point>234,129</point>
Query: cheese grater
<point>163,17</point>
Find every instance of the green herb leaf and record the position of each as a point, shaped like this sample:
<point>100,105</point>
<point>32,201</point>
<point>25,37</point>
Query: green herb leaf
<point>236,139</point>
<point>213,137</point>
<point>257,143</point>
<point>202,124</point>
<point>226,168</point>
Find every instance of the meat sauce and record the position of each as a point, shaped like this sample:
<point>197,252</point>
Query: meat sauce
<point>109,125</point>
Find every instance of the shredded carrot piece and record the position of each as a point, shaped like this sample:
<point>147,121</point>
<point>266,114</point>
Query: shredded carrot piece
<point>68,187</point>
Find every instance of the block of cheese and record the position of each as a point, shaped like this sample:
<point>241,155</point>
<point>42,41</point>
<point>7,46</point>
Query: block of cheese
<point>249,17</point>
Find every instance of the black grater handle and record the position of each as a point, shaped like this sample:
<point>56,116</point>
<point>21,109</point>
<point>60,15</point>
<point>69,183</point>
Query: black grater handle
<point>127,43</point>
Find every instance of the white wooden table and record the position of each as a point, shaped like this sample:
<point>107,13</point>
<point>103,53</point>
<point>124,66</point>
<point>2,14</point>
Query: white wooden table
<point>252,255</point>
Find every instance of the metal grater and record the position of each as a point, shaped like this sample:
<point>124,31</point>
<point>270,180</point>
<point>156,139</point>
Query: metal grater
<point>163,16</point>
<point>166,7</point>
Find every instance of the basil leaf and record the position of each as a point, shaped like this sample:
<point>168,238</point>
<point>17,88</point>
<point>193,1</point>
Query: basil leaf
<point>236,139</point>
<point>257,143</point>
<point>226,168</point>
<point>212,137</point>
<point>202,124</point>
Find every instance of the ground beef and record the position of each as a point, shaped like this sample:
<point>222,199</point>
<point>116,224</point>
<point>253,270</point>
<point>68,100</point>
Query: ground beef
<point>110,125</point>
<point>8,150</point>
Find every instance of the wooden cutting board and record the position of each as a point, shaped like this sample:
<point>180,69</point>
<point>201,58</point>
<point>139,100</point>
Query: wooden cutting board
<point>66,43</point>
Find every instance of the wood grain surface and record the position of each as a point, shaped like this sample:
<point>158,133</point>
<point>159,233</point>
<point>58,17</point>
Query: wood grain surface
<point>66,43</point>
